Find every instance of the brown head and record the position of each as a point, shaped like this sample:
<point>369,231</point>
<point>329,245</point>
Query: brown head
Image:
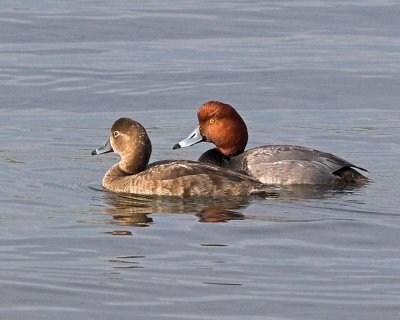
<point>220,124</point>
<point>129,139</point>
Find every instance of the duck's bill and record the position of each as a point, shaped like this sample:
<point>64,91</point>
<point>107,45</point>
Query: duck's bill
<point>193,138</point>
<point>105,149</point>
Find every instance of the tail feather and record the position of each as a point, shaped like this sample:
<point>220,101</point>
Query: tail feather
<point>351,176</point>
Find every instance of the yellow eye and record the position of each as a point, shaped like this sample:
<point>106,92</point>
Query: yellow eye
<point>211,121</point>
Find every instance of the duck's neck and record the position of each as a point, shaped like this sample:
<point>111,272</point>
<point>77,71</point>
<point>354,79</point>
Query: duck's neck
<point>134,163</point>
<point>119,177</point>
<point>214,156</point>
<point>231,150</point>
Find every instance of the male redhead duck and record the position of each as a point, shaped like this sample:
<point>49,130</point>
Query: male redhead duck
<point>166,178</point>
<point>220,124</point>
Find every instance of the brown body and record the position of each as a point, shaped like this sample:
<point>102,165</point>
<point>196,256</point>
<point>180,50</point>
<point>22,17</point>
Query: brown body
<point>167,178</point>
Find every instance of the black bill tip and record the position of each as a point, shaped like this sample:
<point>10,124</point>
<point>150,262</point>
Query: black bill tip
<point>176,146</point>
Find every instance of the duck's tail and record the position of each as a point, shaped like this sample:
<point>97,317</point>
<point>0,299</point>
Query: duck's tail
<point>349,175</point>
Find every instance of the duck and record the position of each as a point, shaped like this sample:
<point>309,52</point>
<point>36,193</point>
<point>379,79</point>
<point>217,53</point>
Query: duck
<point>220,124</point>
<point>180,178</point>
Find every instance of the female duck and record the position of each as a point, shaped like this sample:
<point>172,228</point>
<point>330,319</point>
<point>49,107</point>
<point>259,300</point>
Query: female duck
<point>220,124</point>
<point>171,178</point>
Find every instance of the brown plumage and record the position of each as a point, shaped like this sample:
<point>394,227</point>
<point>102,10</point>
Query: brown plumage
<point>167,178</point>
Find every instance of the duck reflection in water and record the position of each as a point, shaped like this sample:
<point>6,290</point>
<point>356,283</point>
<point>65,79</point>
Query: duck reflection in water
<point>135,210</point>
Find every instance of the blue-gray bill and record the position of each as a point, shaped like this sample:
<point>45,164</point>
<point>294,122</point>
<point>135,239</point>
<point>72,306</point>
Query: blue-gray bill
<point>105,149</point>
<point>193,138</point>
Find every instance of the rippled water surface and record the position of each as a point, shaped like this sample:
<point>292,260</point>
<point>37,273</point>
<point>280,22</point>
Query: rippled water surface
<point>314,73</point>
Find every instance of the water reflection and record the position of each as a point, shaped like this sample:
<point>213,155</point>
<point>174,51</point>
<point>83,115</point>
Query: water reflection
<point>135,210</point>
<point>308,192</point>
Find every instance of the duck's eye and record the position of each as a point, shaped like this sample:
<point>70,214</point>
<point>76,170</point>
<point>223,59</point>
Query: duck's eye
<point>211,121</point>
<point>116,134</point>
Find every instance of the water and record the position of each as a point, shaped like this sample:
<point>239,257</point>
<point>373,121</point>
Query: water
<point>313,73</point>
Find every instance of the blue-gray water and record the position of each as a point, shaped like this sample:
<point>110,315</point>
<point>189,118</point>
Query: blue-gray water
<point>324,74</point>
